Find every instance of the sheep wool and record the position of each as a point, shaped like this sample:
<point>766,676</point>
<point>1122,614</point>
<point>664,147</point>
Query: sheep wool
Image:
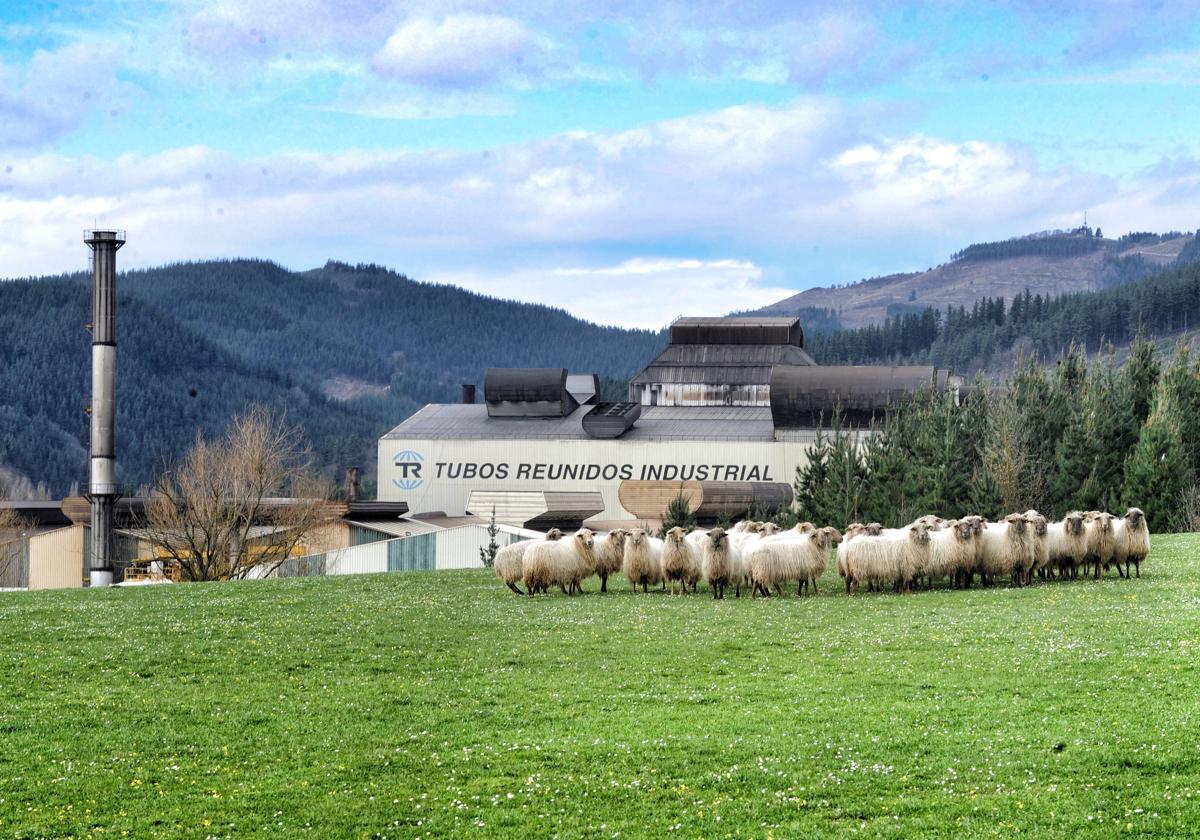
<point>562,562</point>
<point>951,551</point>
<point>1134,539</point>
<point>642,565</point>
<point>509,565</point>
<point>1006,549</point>
<point>610,553</point>
<point>680,560</point>
<point>1100,540</point>
<point>719,563</point>
<point>1066,543</point>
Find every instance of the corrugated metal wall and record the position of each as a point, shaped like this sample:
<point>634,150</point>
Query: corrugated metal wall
<point>56,559</point>
<point>412,554</point>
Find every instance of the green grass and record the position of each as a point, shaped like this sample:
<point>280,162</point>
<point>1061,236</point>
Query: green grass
<point>439,704</point>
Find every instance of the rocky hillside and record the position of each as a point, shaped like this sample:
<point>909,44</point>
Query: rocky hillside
<point>1054,263</point>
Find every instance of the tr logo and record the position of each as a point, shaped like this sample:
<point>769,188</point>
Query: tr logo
<point>409,464</point>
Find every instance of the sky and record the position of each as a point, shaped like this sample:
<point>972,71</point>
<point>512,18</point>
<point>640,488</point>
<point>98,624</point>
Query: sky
<point>628,162</point>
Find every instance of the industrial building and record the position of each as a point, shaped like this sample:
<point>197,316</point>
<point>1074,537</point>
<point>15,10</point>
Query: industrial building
<point>53,549</point>
<point>726,414</point>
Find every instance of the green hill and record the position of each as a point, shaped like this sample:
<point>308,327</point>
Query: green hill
<point>198,342</point>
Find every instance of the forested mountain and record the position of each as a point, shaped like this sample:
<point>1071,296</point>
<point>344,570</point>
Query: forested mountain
<point>201,341</point>
<point>969,338</point>
<point>1050,263</point>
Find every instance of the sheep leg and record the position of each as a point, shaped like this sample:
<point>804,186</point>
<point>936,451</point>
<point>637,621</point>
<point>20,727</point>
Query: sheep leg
<point>1137,565</point>
<point>514,588</point>
<point>603,583</point>
<point>815,589</point>
<point>799,587</point>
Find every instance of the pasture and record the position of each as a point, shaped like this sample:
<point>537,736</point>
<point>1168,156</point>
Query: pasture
<point>440,704</point>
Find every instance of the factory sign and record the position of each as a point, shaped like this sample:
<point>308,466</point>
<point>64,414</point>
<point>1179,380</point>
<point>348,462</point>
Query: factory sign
<point>528,471</point>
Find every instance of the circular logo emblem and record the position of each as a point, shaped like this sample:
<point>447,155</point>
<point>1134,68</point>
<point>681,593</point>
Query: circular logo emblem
<point>409,464</point>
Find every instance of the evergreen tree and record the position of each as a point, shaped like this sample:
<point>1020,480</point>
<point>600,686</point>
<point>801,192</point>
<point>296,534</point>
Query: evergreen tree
<point>1114,432</point>
<point>487,554</point>
<point>1140,374</point>
<point>1157,473</point>
<point>679,515</point>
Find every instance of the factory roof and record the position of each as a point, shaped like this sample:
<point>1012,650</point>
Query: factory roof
<point>721,364</point>
<point>471,422</point>
<point>741,329</point>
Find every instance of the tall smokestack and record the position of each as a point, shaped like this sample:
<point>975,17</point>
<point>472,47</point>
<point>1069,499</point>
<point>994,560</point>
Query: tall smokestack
<point>102,480</point>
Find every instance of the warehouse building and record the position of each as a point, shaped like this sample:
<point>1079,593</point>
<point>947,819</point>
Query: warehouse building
<point>725,414</point>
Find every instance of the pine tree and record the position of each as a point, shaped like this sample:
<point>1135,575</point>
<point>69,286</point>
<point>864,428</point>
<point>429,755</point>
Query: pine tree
<point>679,515</point>
<point>1139,375</point>
<point>843,502</point>
<point>812,479</point>
<point>487,555</point>
<point>1157,473</point>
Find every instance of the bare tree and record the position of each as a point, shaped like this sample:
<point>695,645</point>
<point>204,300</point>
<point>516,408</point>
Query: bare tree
<point>243,503</point>
<point>14,536</point>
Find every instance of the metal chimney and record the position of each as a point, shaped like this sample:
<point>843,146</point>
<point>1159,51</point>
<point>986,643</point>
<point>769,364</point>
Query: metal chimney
<point>102,482</point>
<point>468,394</point>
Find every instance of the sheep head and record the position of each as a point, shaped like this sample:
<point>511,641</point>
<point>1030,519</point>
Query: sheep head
<point>1037,521</point>
<point>769,528</point>
<point>1104,521</point>
<point>831,536</point>
<point>637,536</point>
<point>675,535</point>
<point>1135,518</point>
<point>1073,523</point>
<point>964,530</point>
<point>717,536</point>
<point>804,528</point>
<point>918,532</point>
<point>1016,523</point>
<point>553,534</point>
<point>874,529</point>
<point>585,538</point>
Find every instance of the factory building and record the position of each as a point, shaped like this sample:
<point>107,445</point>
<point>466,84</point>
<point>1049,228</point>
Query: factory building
<point>725,414</point>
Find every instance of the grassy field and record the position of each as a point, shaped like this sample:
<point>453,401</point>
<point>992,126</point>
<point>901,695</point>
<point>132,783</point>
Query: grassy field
<point>439,704</point>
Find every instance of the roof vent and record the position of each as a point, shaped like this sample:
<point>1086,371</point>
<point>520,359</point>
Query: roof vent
<point>527,392</point>
<point>611,419</point>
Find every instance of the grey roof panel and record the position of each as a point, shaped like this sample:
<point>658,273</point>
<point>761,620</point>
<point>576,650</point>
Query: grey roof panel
<point>470,422</point>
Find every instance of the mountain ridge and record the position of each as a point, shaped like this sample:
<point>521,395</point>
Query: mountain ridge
<point>968,277</point>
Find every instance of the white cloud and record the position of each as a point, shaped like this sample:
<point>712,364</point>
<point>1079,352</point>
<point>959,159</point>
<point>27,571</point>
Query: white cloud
<point>459,51</point>
<point>766,184</point>
<point>643,293</point>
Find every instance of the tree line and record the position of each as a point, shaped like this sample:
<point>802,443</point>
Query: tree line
<point>1079,436</point>
<point>969,338</point>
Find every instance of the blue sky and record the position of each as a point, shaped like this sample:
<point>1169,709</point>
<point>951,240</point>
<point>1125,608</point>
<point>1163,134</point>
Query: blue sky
<point>628,165</point>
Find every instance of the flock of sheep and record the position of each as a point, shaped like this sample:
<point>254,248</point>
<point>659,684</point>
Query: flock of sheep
<point>761,557</point>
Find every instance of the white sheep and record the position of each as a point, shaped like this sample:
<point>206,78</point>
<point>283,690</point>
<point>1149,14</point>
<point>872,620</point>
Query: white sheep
<point>610,554</point>
<point>951,551</point>
<point>680,560</point>
<point>1039,549</point>
<point>1100,540</point>
<point>643,559</point>
<point>1006,550</point>
<point>854,529</point>
<point>1131,540</point>
<point>827,540</point>
<point>720,563</point>
<point>509,564</point>
<point>562,562</point>
<point>1066,543</point>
